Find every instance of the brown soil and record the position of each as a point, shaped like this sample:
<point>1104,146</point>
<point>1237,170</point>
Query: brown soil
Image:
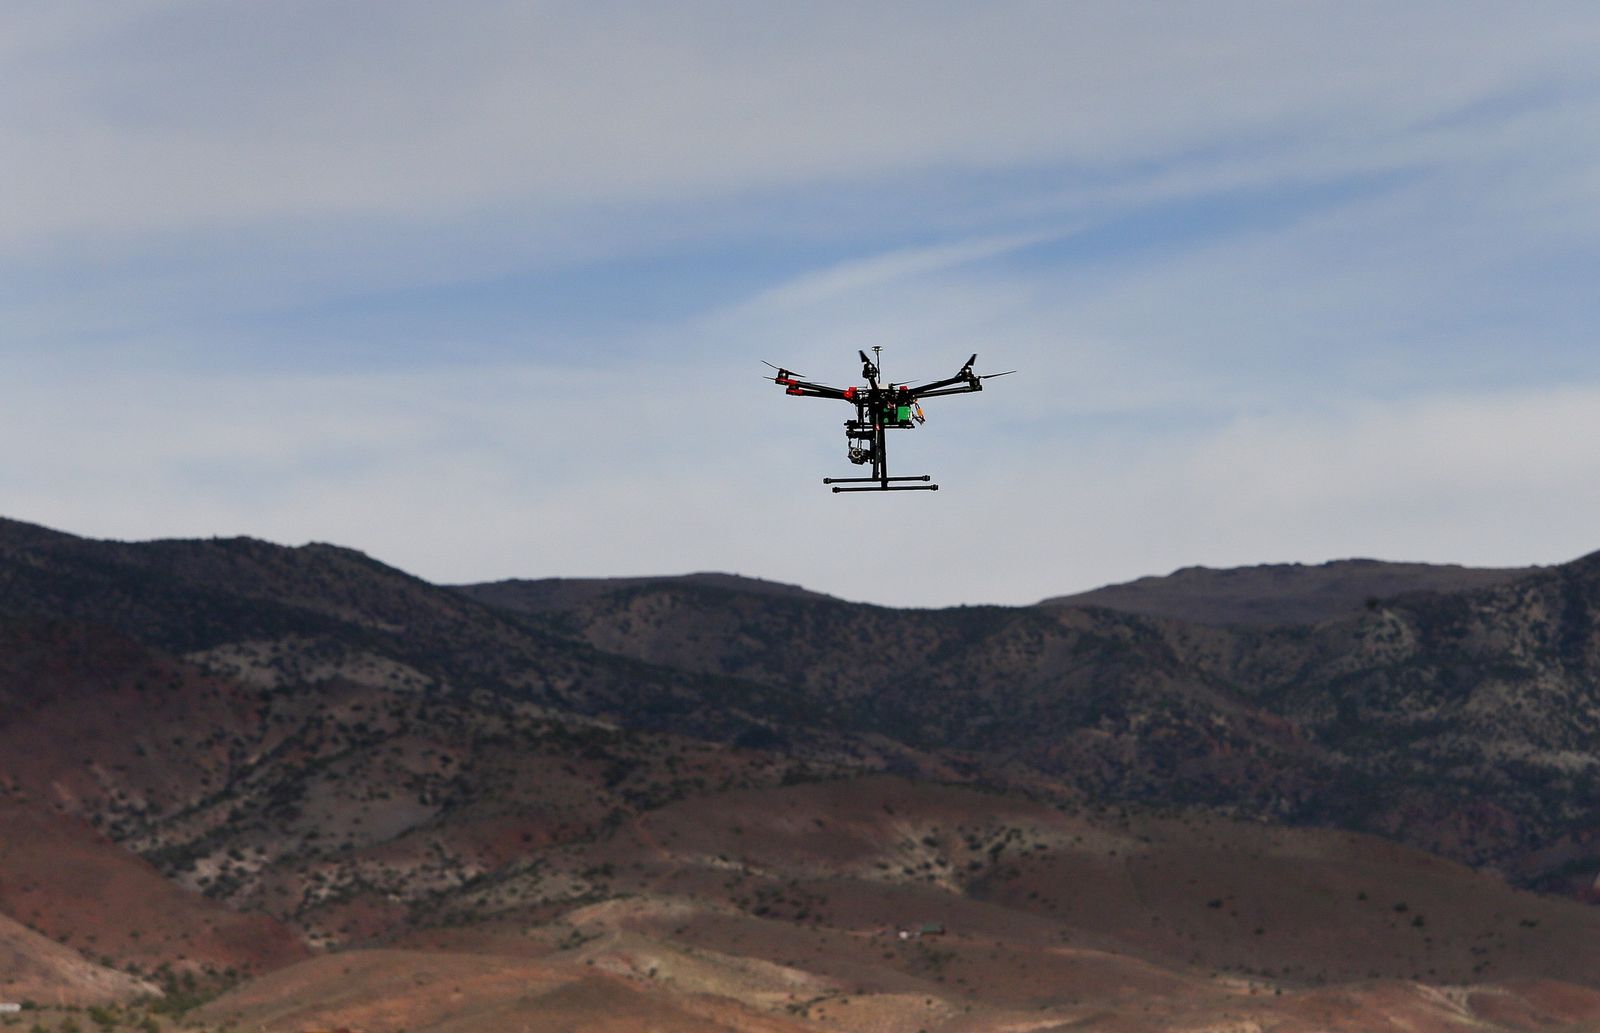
<point>77,887</point>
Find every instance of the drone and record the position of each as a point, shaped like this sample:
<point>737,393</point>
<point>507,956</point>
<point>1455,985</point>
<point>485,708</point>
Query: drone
<point>893,406</point>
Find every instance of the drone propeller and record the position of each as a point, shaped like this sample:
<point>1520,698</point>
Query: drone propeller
<point>780,369</point>
<point>991,376</point>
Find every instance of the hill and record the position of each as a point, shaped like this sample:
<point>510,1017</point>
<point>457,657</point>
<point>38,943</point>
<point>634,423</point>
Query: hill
<point>1284,594</point>
<point>77,887</point>
<point>718,796</point>
<point>36,968</point>
<point>887,904</point>
<point>1293,723</point>
<point>1460,722</point>
<point>557,594</point>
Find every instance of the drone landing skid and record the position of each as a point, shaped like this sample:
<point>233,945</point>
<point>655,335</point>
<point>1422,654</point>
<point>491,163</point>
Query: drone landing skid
<point>881,483</point>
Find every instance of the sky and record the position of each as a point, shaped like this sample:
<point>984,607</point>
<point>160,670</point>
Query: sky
<point>484,289</point>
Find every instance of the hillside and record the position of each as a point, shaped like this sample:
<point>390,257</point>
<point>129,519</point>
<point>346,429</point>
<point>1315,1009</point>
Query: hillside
<point>557,594</point>
<point>36,968</point>
<point>702,802</point>
<point>783,909</point>
<point>1283,594</point>
<point>1461,722</point>
<point>75,886</point>
<point>1293,723</point>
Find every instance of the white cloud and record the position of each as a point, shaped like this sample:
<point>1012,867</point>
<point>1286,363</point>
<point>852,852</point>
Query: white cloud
<point>200,116</point>
<point>1312,376</point>
<point>534,473</point>
<point>879,271</point>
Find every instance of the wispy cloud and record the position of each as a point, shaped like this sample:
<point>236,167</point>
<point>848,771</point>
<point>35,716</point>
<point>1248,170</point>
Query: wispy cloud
<point>461,479</point>
<point>483,289</point>
<point>882,270</point>
<point>180,115</point>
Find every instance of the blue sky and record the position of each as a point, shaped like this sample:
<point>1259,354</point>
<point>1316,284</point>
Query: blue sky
<point>483,289</point>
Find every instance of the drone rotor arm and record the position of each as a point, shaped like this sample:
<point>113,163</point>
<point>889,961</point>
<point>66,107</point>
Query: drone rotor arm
<point>807,389</point>
<point>962,390</point>
<point>963,376</point>
<point>921,390</point>
<point>967,380</point>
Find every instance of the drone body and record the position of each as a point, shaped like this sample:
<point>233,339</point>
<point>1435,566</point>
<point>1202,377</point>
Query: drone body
<point>880,409</point>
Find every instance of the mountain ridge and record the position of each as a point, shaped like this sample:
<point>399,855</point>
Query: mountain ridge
<point>1278,594</point>
<point>1122,704</point>
<point>703,782</point>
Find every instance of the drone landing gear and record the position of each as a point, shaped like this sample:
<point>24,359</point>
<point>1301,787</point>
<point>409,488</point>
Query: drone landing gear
<point>881,483</point>
<point>878,410</point>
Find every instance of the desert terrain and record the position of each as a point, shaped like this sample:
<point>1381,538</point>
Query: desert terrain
<point>256,788</point>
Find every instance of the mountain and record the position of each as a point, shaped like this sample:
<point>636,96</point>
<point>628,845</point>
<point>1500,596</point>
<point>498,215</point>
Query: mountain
<point>710,802</point>
<point>556,594</point>
<point>35,967</point>
<point>74,885</point>
<point>1283,594</point>
<point>782,909</point>
<point>1460,721</point>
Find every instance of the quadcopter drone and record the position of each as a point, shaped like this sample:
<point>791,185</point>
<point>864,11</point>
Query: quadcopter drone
<point>878,409</point>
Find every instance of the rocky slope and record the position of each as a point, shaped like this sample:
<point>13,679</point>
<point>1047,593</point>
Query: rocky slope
<point>1282,594</point>
<point>274,751</point>
<point>36,968</point>
<point>1462,722</point>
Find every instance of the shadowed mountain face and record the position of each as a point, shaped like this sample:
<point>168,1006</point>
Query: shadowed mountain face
<point>552,595</point>
<point>1284,594</point>
<point>1461,721</point>
<point>355,756</point>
